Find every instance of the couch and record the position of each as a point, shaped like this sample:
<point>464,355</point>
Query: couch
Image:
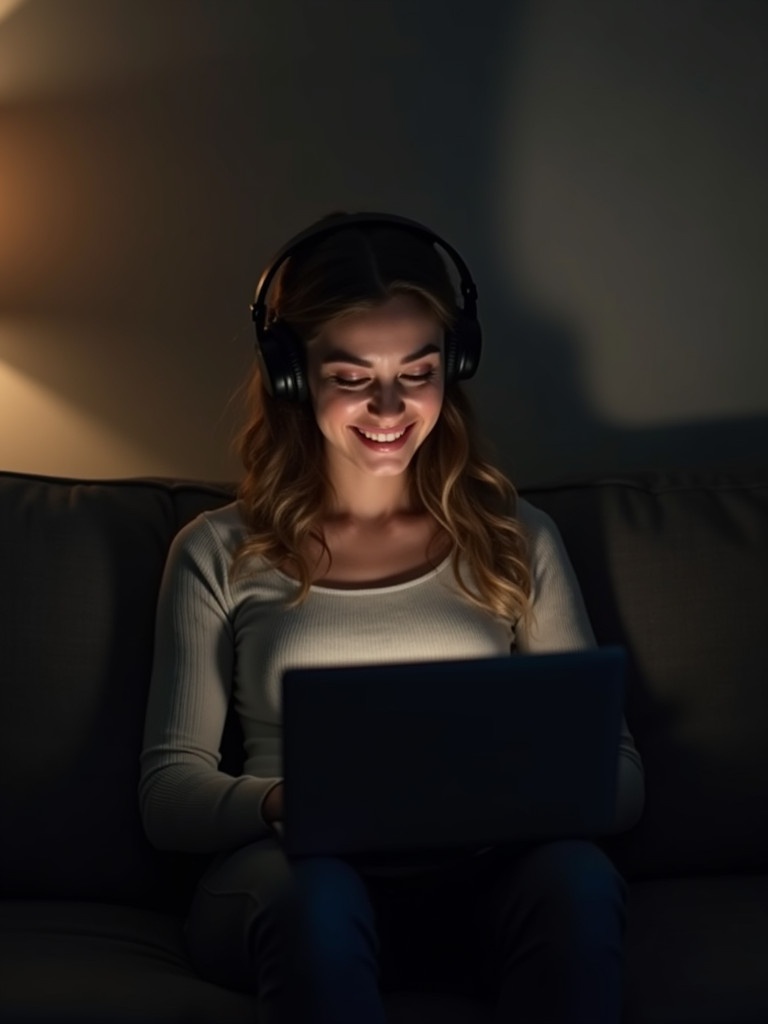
<point>674,566</point>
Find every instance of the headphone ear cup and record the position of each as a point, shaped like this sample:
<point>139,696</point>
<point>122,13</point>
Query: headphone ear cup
<point>281,355</point>
<point>463,345</point>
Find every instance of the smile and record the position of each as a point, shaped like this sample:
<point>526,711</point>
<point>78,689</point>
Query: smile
<point>381,437</point>
<point>384,440</point>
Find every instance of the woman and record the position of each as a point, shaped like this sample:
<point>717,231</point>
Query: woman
<point>366,525</point>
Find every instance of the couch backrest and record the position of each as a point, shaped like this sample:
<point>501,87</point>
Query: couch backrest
<point>675,567</point>
<point>80,566</point>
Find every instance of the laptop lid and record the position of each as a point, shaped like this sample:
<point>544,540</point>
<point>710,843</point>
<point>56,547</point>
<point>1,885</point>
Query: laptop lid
<point>436,755</point>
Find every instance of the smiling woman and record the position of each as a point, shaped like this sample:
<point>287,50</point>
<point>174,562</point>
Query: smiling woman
<point>368,528</point>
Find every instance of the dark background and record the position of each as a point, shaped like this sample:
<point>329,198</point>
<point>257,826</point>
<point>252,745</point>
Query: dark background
<point>602,166</point>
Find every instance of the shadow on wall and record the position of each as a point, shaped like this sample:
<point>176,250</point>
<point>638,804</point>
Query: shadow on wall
<point>621,259</point>
<point>551,431</point>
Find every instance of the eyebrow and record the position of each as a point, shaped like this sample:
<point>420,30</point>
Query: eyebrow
<point>339,355</point>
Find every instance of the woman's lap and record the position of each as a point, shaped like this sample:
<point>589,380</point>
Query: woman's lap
<point>439,929</point>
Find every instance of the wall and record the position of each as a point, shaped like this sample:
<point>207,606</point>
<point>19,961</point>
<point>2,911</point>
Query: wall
<point>601,166</point>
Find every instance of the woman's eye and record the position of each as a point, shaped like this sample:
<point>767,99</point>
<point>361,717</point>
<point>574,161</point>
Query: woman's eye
<point>350,383</point>
<point>418,378</point>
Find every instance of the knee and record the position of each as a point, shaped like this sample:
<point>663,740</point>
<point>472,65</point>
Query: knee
<point>240,906</point>
<point>317,876</point>
<point>332,897</point>
<point>255,911</point>
<point>577,870</point>
<point>574,883</point>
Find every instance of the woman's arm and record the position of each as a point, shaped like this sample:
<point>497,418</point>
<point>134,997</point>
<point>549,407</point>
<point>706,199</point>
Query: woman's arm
<point>560,623</point>
<point>186,802</point>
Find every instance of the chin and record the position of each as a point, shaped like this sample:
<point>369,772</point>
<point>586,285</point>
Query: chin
<point>388,469</point>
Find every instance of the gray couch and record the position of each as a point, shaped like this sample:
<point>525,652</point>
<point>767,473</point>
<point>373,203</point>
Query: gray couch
<point>673,566</point>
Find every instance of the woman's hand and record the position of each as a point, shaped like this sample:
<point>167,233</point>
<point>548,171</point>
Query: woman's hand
<point>272,808</point>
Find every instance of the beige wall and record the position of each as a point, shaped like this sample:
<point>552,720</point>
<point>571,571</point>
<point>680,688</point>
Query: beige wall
<point>601,166</point>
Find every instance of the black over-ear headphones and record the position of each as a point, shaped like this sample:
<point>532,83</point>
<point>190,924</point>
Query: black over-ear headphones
<point>281,352</point>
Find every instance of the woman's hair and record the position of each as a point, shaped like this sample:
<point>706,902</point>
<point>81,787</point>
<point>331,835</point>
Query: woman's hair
<point>284,494</point>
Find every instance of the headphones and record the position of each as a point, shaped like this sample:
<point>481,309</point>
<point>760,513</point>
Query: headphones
<point>279,349</point>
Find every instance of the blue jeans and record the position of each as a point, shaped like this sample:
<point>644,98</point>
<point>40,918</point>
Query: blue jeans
<point>537,931</point>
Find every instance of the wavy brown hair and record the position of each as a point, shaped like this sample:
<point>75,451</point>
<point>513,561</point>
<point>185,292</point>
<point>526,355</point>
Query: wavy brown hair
<point>284,494</point>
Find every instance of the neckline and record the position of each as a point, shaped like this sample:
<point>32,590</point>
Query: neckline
<point>367,588</point>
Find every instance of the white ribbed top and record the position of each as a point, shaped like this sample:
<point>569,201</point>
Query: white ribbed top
<point>216,642</point>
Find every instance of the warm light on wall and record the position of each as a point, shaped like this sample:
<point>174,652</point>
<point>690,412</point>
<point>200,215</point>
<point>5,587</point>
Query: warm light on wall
<point>8,7</point>
<point>40,430</point>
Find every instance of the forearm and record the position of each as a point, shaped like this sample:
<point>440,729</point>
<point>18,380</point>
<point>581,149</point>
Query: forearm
<point>199,810</point>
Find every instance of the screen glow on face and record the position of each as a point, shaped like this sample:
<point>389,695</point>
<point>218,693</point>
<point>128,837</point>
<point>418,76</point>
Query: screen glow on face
<point>377,385</point>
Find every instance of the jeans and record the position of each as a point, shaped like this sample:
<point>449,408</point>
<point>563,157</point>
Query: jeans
<point>537,931</point>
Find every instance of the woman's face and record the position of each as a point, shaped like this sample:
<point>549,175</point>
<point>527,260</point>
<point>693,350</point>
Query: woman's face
<point>376,382</point>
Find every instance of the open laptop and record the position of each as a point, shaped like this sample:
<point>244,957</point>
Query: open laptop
<point>436,755</point>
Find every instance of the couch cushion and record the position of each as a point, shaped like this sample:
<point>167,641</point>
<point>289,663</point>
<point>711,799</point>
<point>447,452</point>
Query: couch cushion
<point>81,565</point>
<point>676,569</point>
<point>697,951</point>
<point>84,963</point>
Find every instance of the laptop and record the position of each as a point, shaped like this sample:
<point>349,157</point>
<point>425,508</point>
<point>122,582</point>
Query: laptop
<point>428,756</point>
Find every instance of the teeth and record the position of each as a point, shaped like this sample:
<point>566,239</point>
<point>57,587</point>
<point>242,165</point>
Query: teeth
<point>382,437</point>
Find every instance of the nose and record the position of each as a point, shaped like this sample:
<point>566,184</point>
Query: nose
<point>386,400</point>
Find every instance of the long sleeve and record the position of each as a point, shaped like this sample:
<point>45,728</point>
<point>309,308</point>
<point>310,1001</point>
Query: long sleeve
<point>560,623</point>
<point>186,802</point>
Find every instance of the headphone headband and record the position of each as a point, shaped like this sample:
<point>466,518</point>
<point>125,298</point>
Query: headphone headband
<point>344,220</point>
